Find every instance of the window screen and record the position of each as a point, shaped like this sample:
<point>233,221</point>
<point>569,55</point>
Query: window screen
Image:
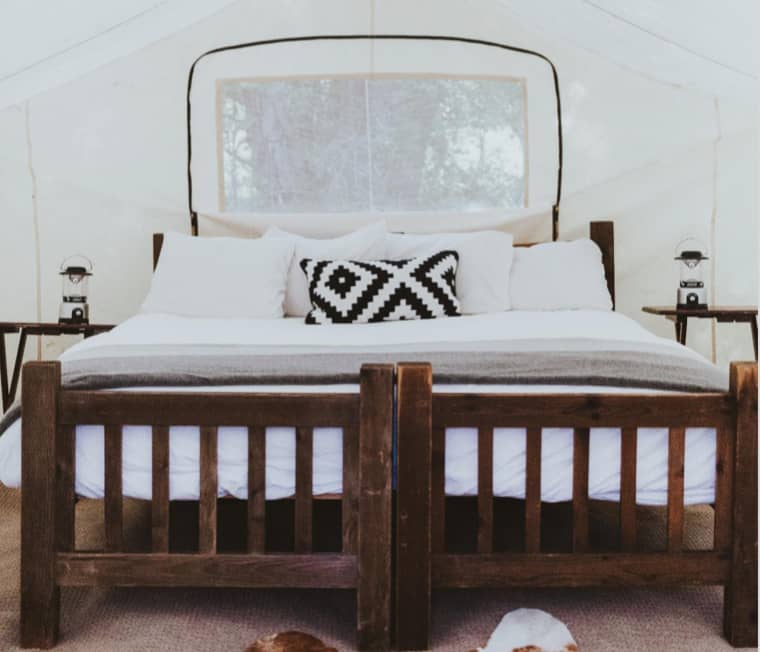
<point>380,144</point>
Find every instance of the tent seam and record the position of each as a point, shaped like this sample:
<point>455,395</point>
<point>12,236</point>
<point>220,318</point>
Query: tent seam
<point>713,228</point>
<point>85,41</point>
<point>660,37</point>
<point>35,220</point>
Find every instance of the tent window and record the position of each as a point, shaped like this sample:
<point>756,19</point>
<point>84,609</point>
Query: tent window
<point>380,144</point>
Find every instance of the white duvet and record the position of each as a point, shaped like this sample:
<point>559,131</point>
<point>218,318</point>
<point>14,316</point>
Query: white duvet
<point>461,443</point>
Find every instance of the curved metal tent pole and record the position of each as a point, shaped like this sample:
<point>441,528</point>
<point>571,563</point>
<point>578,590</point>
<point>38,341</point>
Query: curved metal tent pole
<point>345,37</point>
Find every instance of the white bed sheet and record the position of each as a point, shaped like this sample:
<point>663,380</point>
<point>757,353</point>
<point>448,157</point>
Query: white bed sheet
<point>461,447</point>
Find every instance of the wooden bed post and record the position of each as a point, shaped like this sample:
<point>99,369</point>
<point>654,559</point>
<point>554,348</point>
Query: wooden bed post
<point>373,593</point>
<point>603,234</point>
<point>740,598</point>
<point>40,595</point>
<point>413,508</point>
<point>158,243</point>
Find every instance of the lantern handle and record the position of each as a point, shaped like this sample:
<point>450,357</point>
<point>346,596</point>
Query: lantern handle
<point>701,244</point>
<point>62,268</point>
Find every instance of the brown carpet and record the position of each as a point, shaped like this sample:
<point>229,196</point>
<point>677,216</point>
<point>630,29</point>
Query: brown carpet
<point>198,620</point>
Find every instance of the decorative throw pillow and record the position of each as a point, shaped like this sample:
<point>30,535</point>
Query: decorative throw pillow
<point>356,292</point>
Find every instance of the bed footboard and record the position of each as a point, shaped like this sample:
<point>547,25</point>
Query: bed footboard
<point>427,558</point>
<point>50,559</point>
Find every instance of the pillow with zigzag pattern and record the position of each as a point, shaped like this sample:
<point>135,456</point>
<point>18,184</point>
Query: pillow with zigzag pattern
<point>360,292</point>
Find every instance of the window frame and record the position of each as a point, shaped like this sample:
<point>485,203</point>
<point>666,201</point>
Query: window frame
<point>371,40</point>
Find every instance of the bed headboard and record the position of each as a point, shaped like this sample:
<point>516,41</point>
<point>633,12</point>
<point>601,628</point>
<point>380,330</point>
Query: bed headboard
<point>158,242</point>
<point>603,233</point>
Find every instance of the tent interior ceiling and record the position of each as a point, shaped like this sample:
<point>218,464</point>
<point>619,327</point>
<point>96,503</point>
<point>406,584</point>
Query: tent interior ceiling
<point>680,42</point>
<point>676,41</point>
<point>78,36</point>
<point>659,112</point>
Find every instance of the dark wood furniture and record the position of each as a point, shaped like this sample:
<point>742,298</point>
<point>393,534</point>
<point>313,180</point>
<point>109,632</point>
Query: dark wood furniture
<point>50,560</point>
<point>740,314</point>
<point>429,549</point>
<point>25,329</point>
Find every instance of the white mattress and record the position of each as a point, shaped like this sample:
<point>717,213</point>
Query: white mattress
<point>461,443</point>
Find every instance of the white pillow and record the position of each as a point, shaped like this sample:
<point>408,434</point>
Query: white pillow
<point>235,278</point>
<point>367,243</point>
<point>559,276</point>
<point>485,259</point>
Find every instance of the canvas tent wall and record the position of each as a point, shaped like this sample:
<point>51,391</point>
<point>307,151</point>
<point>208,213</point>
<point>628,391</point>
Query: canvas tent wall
<point>659,113</point>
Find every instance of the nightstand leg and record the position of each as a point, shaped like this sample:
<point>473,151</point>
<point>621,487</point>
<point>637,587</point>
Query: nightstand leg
<point>17,365</point>
<point>681,329</point>
<point>4,399</point>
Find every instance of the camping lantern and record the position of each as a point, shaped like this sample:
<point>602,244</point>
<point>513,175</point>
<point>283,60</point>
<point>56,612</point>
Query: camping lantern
<point>75,272</point>
<point>691,290</point>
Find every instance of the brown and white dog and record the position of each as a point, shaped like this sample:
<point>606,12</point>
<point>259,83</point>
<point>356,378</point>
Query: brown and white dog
<point>523,630</point>
<point>530,630</point>
<point>289,642</point>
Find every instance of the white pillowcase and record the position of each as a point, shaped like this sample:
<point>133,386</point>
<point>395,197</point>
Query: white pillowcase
<point>367,243</point>
<point>559,276</point>
<point>485,260</point>
<point>234,278</point>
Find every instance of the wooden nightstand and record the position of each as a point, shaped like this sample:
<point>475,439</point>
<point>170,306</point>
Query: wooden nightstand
<point>741,314</point>
<point>25,329</point>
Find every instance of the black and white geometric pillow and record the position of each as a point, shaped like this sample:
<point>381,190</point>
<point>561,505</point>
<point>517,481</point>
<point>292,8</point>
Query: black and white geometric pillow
<point>356,292</point>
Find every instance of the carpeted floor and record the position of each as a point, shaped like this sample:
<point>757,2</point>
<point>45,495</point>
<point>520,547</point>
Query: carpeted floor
<point>168,620</point>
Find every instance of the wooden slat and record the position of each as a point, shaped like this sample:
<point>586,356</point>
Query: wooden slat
<point>65,499</point>
<point>580,489</point>
<point>207,520</point>
<point>438,490</point>
<point>724,481</point>
<point>350,498</point>
<point>208,409</point>
<point>40,596</point>
<point>628,447</point>
<point>160,497</point>
<point>505,570</point>
<point>224,570</point>
<point>676,450</point>
<point>257,446</point>
<point>485,490</point>
<point>533,489</point>
<point>304,476</point>
<point>113,499</point>
<point>373,594</point>
<point>583,410</point>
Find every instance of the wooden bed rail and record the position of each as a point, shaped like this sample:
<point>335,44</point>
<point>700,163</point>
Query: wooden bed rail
<point>426,561</point>
<point>48,555</point>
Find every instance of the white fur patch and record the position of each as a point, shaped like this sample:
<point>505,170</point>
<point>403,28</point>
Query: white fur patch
<point>531,629</point>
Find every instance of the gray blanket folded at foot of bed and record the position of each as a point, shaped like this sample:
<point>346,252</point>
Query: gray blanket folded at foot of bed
<point>582,362</point>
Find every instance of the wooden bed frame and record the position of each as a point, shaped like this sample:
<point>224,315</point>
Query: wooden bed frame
<point>428,557</point>
<point>425,559</point>
<point>49,559</point>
